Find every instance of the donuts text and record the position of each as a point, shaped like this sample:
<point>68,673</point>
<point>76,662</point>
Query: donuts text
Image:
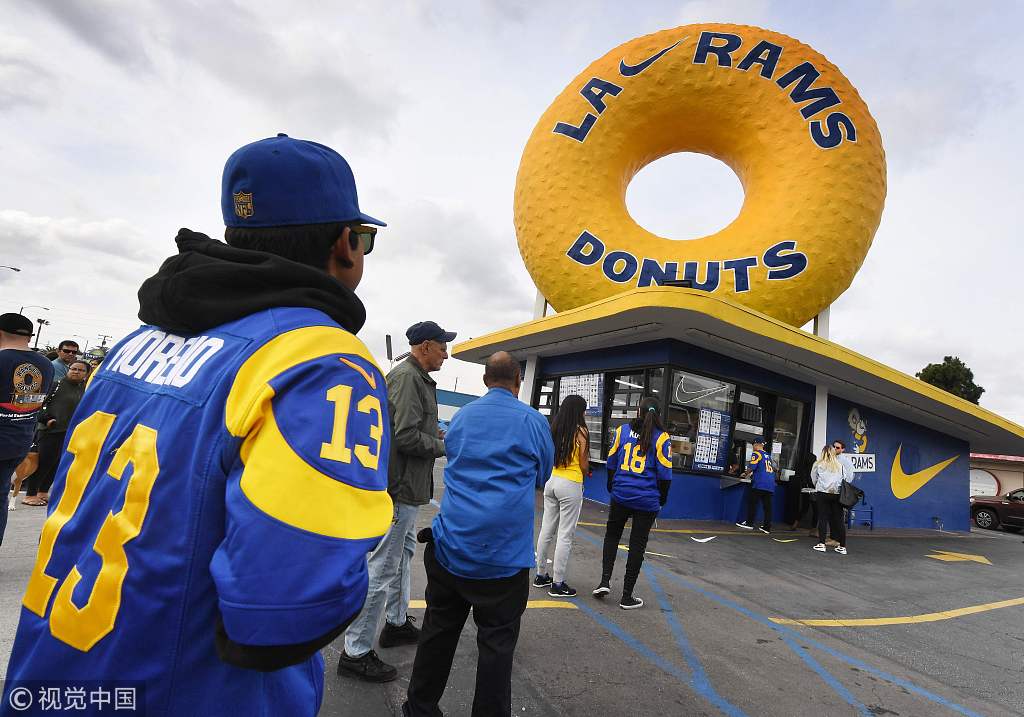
<point>782,261</point>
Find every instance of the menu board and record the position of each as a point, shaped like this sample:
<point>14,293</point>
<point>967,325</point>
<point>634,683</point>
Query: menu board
<point>711,452</point>
<point>590,386</point>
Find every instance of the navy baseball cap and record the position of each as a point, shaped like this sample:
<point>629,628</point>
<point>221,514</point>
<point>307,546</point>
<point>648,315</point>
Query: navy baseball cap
<point>428,331</point>
<point>282,181</point>
<point>16,324</point>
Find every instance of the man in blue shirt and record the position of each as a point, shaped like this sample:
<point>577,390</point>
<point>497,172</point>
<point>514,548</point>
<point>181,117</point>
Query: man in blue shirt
<point>66,353</point>
<point>481,549</point>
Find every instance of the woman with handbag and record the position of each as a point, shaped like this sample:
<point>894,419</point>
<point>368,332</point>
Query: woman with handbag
<point>828,475</point>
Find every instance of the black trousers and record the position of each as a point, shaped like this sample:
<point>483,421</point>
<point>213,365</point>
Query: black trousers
<point>765,496</point>
<point>50,445</point>
<point>830,515</point>
<point>638,535</point>
<point>498,606</point>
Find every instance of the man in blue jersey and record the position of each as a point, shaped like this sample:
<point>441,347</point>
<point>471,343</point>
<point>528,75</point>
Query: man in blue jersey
<point>225,474</point>
<point>25,380</point>
<point>761,471</point>
<point>480,546</point>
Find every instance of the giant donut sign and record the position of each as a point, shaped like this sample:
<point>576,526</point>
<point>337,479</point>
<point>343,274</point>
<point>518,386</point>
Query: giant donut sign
<point>785,119</point>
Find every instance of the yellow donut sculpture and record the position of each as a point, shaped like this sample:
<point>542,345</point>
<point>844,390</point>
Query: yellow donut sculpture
<point>791,126</point>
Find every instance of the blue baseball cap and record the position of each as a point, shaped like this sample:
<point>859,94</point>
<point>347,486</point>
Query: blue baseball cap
<point>281,181</point>
<point>428,331</point>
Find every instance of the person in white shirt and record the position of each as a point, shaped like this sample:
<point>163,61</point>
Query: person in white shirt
<point>828,474</point>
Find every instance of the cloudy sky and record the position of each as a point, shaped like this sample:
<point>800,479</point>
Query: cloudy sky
<point>116,118</point>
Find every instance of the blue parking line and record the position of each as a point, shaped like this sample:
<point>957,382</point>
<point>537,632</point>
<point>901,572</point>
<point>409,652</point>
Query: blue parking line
<point>699,679</point>
<point>827,676</point>
<point>793,634</point>
<point>644,651</point>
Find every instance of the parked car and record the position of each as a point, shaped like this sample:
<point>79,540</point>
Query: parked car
<point>993,511</point>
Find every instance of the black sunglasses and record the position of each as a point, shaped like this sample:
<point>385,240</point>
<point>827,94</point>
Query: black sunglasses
<point>364,235</point>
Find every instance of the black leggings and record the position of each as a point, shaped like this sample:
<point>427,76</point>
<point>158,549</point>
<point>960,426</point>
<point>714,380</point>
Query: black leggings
<point>830,514</point>
<point>638,535</point>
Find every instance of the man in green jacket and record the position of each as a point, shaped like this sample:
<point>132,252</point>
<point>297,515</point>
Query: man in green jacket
<point>415,443</point>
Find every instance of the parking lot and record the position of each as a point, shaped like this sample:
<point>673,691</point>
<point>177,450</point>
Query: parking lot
<point>909,623</point>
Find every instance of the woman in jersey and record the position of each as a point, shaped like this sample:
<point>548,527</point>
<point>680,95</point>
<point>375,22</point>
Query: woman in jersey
<point>639,476</point>
<point>563,494</point>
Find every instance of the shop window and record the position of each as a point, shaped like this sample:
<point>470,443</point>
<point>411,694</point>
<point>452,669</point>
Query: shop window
<point>591,387</point>
<point>624,394</point>
<point>546,398</point>
<point>699,419</point>
<point>983,482</point>
<point>784,446</point>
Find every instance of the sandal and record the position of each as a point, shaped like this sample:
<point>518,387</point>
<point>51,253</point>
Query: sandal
<point>33,501</point>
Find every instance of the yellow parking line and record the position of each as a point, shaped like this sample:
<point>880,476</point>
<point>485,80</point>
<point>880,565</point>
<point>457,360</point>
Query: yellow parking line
<point>563,604</point>
<point>685,531</point>
<point>906,620</point>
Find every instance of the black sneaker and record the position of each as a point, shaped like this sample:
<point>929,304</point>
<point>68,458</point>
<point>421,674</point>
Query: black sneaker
<point>629,602</point>
<point>407,634</point>
<point>601,590</point>
<point>369,667</point>
<point>745,525</point>
<point>542,581</point>
<point>766,531</point>
<point>562,589</point>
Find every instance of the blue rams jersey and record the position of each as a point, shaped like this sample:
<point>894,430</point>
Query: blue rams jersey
<point>237,477</point>
<point>762,471</point>
<point>635,483</point>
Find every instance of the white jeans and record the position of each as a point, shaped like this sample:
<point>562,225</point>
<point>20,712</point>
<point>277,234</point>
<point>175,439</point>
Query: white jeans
<point>562,502</point>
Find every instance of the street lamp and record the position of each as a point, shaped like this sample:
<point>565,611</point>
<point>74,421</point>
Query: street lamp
<point>33,306</point>
<point>42,323</point>
<point>12,268</point>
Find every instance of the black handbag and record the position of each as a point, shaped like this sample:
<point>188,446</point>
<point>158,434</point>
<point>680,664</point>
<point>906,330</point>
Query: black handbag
<point>849,494</point>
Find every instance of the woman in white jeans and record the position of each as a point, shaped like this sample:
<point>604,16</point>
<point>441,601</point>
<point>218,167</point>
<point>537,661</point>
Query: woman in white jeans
<point>563,495</point>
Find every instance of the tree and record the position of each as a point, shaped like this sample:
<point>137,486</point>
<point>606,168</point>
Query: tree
<point>952,375</point>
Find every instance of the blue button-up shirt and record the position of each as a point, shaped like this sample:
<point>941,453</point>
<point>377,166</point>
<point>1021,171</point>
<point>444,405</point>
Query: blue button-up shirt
<point>497,448</point>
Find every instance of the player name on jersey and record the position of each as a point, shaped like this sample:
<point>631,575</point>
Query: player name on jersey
<point>164,359</point>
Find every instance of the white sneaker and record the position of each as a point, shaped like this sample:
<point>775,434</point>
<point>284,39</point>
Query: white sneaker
<point>745,525</point>
<point>820,547</point>
<point>12,503</point>
<point>841,550</point>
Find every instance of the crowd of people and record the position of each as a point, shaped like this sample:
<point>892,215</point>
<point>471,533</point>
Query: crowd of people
<point>277,475</point>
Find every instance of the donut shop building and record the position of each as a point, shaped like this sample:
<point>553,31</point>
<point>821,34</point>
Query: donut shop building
<point>726,376</point>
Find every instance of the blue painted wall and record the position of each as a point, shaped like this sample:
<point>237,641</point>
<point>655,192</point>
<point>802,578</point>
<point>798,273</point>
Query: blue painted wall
<point>944,497</point>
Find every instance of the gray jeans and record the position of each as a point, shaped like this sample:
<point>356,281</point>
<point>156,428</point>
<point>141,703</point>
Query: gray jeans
<point>562,502</point>
<point>390,581</point>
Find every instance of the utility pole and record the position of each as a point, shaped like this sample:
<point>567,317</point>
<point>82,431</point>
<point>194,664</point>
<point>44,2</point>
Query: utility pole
<point>42,323</point>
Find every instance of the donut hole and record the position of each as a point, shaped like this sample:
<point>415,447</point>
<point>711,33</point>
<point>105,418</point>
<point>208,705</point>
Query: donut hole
<point>684,196</point>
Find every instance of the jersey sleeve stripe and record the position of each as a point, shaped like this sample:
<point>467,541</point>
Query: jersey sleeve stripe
<point>664,456</point>
<point>615,442</point>
<point>278,355</point>
<point>327,507</point>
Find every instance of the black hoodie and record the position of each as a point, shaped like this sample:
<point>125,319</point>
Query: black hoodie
<point>209,283</point>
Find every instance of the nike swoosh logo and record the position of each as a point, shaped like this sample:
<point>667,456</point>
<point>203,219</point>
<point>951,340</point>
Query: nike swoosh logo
<point>905,485</point>
<point>633,70</point>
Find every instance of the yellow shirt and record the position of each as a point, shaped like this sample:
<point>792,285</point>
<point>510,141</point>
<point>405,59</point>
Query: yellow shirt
<point>572,471</point>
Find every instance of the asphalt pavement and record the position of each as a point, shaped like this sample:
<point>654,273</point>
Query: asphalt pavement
<point>723,628</point>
